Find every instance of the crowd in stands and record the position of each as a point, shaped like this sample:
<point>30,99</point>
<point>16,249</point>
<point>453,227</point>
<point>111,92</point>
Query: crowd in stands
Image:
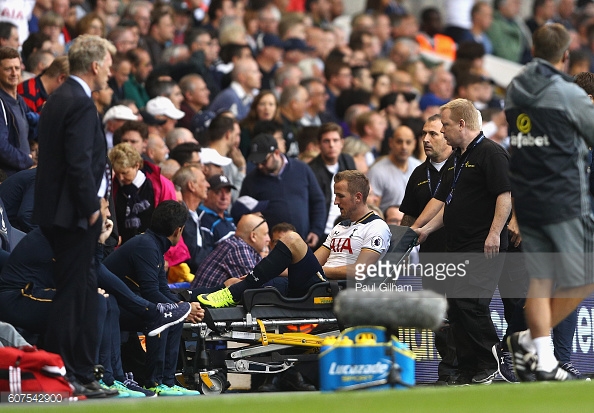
<point>255,105</point>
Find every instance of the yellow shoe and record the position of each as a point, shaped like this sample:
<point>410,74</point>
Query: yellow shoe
<point>218,299</point>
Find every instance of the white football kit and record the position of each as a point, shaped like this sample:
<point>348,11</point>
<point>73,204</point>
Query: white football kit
<point>347,239</point>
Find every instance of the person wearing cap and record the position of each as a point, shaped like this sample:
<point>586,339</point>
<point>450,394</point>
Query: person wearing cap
<point>194,190</point>
<point>247,205</point>
<point>290,186</point>
<point>296,50</point>
<point>238,97</point>
<point>114,118</point>
<point>162,108</point>
<point>213,162</point>
<point>269,57</point>
<point>213,214</point>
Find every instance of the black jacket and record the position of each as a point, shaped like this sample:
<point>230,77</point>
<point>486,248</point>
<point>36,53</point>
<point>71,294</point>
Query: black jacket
<point>324,177</point>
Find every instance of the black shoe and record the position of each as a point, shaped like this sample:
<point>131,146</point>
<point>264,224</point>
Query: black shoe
<point>504,363</point>
<point>169,314</point>
<point>524,361</point>
<point>292,380</point>
<point>557,374</point>
<point>484,377</point>
<point>569,367</point>
<point>92,390</point>
<point>269,385</point>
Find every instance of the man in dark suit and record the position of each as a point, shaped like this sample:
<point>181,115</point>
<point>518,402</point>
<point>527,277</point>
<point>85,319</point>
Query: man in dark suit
<point>71,182</point>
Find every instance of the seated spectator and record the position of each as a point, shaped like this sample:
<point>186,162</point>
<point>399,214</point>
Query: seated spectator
<point>35,91</point>
<point>235,256</point>
<point>17,193</point>
<point>393,215</point>
<point>264,108</point>
<point>213,162</point>
<point>194,188</point>
<point>162,108</point>
<point>214,218</point>
<point>239,95</point>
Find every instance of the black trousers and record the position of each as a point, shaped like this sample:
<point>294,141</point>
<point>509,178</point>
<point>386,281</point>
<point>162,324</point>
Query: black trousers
<point>72,325</point>
<point>470,316</point>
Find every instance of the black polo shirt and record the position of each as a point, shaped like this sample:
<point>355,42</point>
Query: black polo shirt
<point>419,191</point>
<point>482,174</point>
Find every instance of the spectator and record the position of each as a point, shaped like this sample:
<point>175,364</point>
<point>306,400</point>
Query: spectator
<point>372,128</point>
<point>161,31</point>
<point>14,122</point>
<point>141,68</point>
<point>315,114</point>
<point>9,35</point>
<point>238,97</point>
<point>35,91</point>
<point>327,164</point>
<point>389,175</point>
<point>509,35</point>
<point>196,98</point>
<point>235,256</point>
<point>293,103</point>
<point>285,182</point>
<point>194,190</point>
<point>163,109</point>
<point>264,108</point>
<point>114,119</point>
<point>213,215</point>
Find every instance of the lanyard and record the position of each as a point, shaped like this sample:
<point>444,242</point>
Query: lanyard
<point>459,171</point>
<point>431,191</point>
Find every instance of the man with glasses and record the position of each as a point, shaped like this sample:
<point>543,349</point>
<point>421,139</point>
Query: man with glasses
<point>237,255</point>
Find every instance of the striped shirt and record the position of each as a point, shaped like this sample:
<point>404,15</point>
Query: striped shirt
<point>231,258</point>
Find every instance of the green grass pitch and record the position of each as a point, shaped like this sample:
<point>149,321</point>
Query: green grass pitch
<point>496,398</point>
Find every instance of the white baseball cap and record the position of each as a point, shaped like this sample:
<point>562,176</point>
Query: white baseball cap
<point>163,106</point>
<point>212,156</point>
<point>119,112</point>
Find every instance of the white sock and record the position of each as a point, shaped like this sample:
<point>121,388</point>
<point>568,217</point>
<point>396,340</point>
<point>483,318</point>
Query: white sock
<point>525,340</point>
<point>546,358</point>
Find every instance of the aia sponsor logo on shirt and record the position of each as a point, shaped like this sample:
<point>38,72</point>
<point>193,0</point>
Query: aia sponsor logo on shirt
<point>341,245</point>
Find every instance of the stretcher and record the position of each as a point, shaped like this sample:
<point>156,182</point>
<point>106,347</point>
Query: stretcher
<point>272,328</point>
<point>263,323</point>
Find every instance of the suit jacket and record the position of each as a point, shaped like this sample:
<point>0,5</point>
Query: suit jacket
<point>72,159</point>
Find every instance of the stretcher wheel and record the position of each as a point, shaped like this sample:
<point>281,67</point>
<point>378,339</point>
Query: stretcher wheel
<point>217,386</point>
